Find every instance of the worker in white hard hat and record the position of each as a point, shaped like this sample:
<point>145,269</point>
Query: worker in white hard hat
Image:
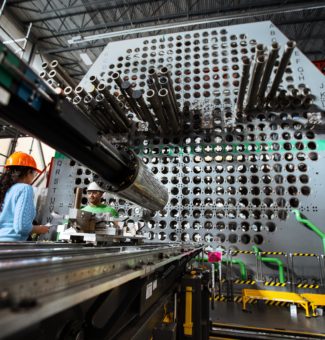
<point>95,206</point>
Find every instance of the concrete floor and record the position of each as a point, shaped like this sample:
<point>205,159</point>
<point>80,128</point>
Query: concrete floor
<point>263,316</point>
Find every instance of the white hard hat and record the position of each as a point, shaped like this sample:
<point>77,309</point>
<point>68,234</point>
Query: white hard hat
<point>95,187</point>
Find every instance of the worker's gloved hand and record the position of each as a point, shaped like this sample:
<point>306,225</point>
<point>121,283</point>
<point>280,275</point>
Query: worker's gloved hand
<point>40,229</point>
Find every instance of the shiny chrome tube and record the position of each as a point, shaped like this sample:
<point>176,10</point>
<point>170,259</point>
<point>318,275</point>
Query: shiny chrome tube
<point>165,72</point>
<point>145,189</point>
<point>155,102</point>
<point>102,88</point>
<point>109,111</point>
<point>255,82</point>
<point>128,93</point>
<point>68,91</point>
<point>54,65</point>
<point>80,91</point>
<point>243,84</point>
<point>137,95</point>
<point>77,100</point>
<point>169,109</point>
<point>123,87</point>
<point>285,59</point>
<point>259,50</point>
<point>154,77</point>
<point>267,72</point>
<point>44,75</point>
<point>58,78</point>
<point>45,66</point>
<point>94,80</point>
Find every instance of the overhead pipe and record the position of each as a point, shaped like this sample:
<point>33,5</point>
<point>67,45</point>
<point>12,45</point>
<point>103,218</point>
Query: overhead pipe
<point>255,82</point>
<point>273,54</point>
<point>243,84</point>
<point>285,59</point>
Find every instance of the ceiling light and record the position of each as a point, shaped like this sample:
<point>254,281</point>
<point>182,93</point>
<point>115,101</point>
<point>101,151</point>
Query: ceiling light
<point>86,59</point>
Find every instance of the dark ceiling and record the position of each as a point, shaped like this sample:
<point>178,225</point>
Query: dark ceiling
<point>54,22</point>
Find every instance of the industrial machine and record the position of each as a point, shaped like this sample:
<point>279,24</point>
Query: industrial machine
<point>211,138</point>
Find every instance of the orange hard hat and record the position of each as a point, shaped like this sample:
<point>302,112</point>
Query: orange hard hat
<point>21,159</point>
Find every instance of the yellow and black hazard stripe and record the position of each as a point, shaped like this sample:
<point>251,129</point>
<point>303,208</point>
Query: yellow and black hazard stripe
<point>274,284</point>
<point>220,298</point>
<point>238,298</point>
<point>306,285</point>
<point>277,303</point>
<point>272,253</point>
<point>242,252</point>
<point>244,282</point>
<point>305,254</point>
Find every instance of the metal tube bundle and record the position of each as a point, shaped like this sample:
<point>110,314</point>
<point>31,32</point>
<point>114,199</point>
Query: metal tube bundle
<point>168,107</point>
<point>164,72</point>
<point>255,82</point>
<point>137,95</point>
<point>154,100</point>
<point>116,77</point>
<point>110,113</point>
<point>243,84</point>
<point>267,72</point>
<point>54,65</point>
<point>154,79</point>
<point>281,69</point>
<point>116,105</point>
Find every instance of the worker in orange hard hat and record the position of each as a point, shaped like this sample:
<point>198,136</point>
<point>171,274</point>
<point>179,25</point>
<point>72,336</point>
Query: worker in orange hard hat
<point>17,210</point>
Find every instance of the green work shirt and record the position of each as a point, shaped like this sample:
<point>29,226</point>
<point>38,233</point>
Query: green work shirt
<point>99,209</point>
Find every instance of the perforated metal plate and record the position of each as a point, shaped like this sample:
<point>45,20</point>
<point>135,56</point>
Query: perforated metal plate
<point>230,187</point>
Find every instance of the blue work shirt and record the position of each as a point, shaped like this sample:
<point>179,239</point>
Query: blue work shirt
<point>17,214</point>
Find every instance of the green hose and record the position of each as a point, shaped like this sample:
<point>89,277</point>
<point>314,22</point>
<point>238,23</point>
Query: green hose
<point>272,260</point>
<point>240,263</point>
<point>310,225</point>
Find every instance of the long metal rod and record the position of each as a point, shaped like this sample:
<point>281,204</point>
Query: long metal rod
<point>268,71</point>
<point>155,102</point>
<point>243,84</point>
<point>165,72</point>
<point>54,65</point>
<point>255,82</point>
<point>281,69</point>
<point>114,102</point>
<point>137,95</point>
<point>168,106</point>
